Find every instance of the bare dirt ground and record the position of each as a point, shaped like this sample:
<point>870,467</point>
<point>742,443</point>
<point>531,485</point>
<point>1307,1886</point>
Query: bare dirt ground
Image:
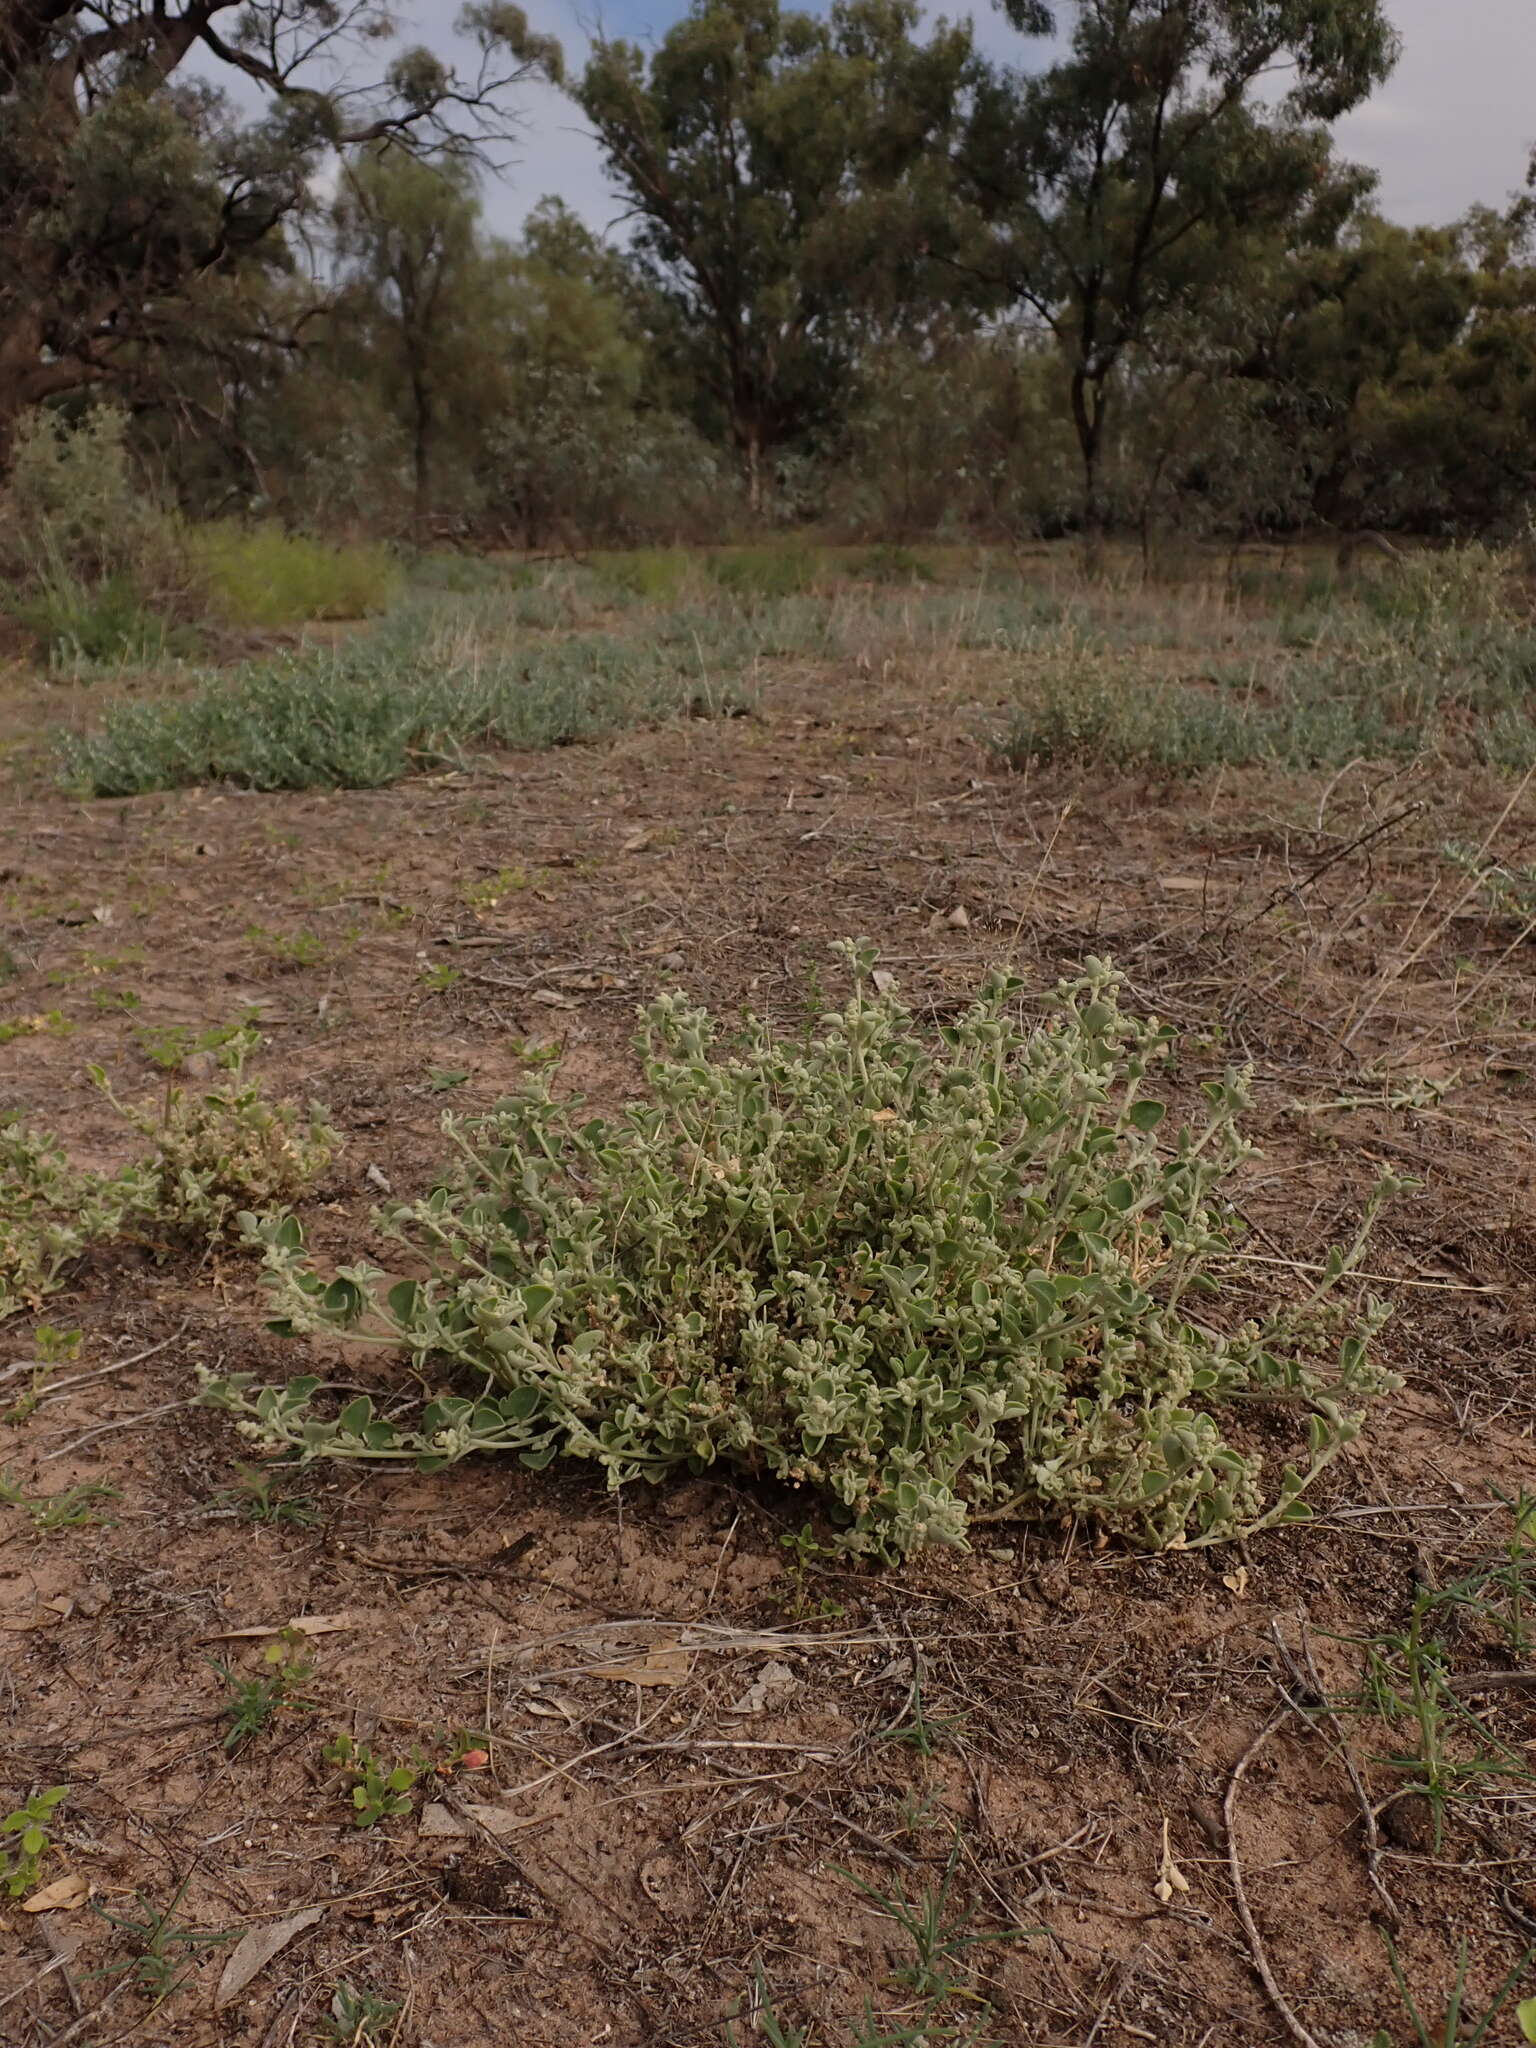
<point>702,1760</point>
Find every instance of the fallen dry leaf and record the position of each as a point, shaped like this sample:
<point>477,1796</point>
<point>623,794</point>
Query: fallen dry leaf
<point>774,1677</point>
<point>62,1896</point>
<point>554,1000</point>
<point>1236,1582</point>
<point>48,1615</point>
<point>301,1625</point>
<point>255,1950</point>
<point>637,842</point>
<point>439,1820</point>
<point>663,1664</point>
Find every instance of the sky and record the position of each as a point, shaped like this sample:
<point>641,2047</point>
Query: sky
<point>1454,125</point>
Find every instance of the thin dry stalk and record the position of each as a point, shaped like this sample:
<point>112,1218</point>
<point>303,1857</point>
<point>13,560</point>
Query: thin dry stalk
<point>1277,1997</point>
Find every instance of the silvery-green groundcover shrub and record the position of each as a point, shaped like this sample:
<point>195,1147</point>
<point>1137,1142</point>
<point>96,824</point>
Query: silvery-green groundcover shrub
<point>929,1276</point>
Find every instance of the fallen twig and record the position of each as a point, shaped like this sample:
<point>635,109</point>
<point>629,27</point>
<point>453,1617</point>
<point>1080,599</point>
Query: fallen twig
<point>101,1371</point>
<point>1313,1683</point>
<point>1266,1975</point>
<point>125,1422</point>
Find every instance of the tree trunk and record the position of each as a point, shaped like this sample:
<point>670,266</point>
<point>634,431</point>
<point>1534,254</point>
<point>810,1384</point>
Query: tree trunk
<point>1088,419</point>
<point>752,456</point>
<point>26,378</point>
<point>421,455</point>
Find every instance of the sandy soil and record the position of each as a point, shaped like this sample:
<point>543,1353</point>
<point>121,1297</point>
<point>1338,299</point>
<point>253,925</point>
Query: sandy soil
<point>702,1763</point>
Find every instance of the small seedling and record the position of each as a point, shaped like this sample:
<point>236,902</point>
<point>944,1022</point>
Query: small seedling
<point>54,1347</point>
<point>254,1495</point>
<point>51,1024</point>
<point>359,2016</point>
<point>439,979</point>
<point>487,894</point>
<point>941,1939</point>
<point>1409,1683</point>
<point>1500,1595</point>
<point>170,1046</point>
<point>254,1704</point>
<point>533,1052</point>
<point>25,1840</point>
<point>163,1949</point>
<point>69,1509</point>
<point>804,1548</point>
<point>766,2024</point>
<point>288,949</point>
<point>1459,2029</point>
<point>379,1791</point>
<point>918,1729</point>
<point>466,1749</point>
<point>441,1079</point>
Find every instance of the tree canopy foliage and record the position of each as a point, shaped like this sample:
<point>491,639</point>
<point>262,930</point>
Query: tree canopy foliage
<point>136,188</point>
<point>863,273</point>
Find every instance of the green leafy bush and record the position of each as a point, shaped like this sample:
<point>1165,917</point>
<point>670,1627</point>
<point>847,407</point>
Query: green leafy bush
<point>933,1279</point>
<point>72,503</point>
<point>768,569</point>
<point>659,575</point>
<point>391,701</point>
<point>262,576</point>
<point>218,1154</point>
<point>96,567</point>
<point>79,623</point>
<point>212,1156</point>
<point>49,1213</point>
<point>1081,700</point>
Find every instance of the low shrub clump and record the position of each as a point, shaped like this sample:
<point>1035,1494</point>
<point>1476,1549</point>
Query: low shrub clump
<point>49,1213</point>
<point>101,572</point>
<point>931,1279</point>
<point>262,576</point>
<point>409,694</point>
<point>212,1156</point>
<point>1439,660</point>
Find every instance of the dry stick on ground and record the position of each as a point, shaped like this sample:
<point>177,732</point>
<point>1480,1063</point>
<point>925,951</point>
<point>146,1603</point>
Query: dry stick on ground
<point>1392,973</point>
<point>125,1422</point>
<point>101,1372</point>
<point>1312,1682</point>
<point>1277,1997</point>
<point>1290,888</point>
<point>47,1970</point>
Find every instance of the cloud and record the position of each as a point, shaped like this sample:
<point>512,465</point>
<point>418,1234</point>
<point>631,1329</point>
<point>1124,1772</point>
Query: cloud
<point>1453,126</point>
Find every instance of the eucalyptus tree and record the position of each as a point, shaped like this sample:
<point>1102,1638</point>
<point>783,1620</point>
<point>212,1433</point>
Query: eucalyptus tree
<point>782,169</point>
<point>1132,176</point>
<point>133,182</point>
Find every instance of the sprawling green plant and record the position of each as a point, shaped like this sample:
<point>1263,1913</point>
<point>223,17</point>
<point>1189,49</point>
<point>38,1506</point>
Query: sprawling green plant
<point>936,1279</point>
<point>49,1212</point>
<point>212,1156</point>
<point>215,1155</point>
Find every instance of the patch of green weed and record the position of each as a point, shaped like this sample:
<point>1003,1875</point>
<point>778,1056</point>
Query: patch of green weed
<point>931,1277</point>
<point>262,576</point>
<point>25,1840</point>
